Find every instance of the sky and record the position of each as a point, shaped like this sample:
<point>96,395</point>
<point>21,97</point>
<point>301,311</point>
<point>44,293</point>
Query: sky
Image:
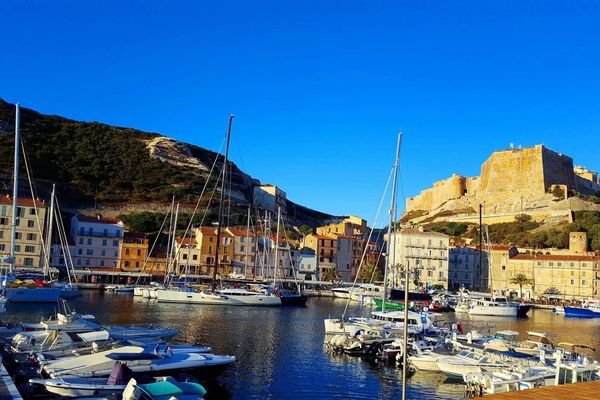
<point>320,89</point>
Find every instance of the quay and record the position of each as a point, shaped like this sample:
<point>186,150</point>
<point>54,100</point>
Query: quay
<point>579,391</point>
<point>8,390</point>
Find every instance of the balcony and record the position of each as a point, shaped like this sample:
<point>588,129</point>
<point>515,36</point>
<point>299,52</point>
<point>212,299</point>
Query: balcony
<point>99,235</point>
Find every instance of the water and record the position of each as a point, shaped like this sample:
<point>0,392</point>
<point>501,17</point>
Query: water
<point>280,351</point>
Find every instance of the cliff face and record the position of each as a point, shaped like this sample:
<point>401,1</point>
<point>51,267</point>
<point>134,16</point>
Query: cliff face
<point>530,180</point>
<point>95,164</point>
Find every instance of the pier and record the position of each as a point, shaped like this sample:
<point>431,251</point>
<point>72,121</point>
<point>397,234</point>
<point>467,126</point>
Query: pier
<point>8,390</point>
<point>579,391</point>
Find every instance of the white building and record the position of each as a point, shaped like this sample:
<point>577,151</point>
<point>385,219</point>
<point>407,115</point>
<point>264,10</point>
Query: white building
<point>270,197</point>
<point>306,265</point>
<point>96,241</point>
<point>188,255</point>
<point>425,254</point>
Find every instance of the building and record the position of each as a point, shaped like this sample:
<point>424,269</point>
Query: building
<point>97,241</point>
<point>188,256</point>
<point>30,225</point>
<point>325,249</point>
<point>344,260</point>
<point>465,270</point>
<point>348,226</point>
<point>270,197</point>
<point>306,265</point>
<point>134,252</point>
<point>244,252</point>
<point>206,240</point>
<point>424,253</point>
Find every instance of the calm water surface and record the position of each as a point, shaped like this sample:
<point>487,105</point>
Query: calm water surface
<point>280,351</point>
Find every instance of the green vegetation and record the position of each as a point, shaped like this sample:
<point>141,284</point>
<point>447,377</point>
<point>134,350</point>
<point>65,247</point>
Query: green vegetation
<point>370,273</point>
<point>449,228</point>
<point>521,279</point>
<point>331,275</point>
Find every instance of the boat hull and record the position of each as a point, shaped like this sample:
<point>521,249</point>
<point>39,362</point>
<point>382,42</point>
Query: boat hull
<point>174,296</point>
<point>494,311</point>
<point>341,294</point>
<point>580,312</point>
<point>294,300</point>
<point>33,295</point>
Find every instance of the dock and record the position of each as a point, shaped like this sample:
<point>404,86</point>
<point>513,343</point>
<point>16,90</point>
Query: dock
<point>8,390</point>
<point>579,391</point>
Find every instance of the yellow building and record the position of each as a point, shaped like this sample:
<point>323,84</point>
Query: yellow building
<point>206,241</point>
<point>325,248</point>
<point>350,226</point>
<point>30,223</point>
<point>134,251</point>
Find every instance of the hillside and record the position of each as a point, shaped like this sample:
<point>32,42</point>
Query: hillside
<point>103,166</point>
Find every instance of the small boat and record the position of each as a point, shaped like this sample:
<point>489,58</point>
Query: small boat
<point>113,386</point>
<point>365,293</point>
<point>163,390</point>
<point>141,332</point>
<point>558,310</point>
<point>391,321</point>
<point>489,306</point>
<point>138,359</point>
<point>455,367</point>
<point>589,309</point>
<point>341,292</point>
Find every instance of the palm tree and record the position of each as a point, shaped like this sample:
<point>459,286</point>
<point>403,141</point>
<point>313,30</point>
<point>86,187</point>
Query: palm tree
<point>521,279</point>
<point>330,275</point>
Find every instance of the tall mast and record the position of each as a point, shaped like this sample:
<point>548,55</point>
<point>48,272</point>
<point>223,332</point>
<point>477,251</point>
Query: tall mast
<point>220,217</point>
<point>49,232</point>
<point>169,237</point>
<point>13,236</point>
<point>276,246</point>
<point>173,244</point>
<point>391,222</point>
<point>247,241</point>
<point>406,287</point>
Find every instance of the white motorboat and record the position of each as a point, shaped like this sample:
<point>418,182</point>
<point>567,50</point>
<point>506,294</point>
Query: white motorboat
<point>364,293</point>
<point>138,360</point>
<point>455,367</point>
<point>114,386</point>
<point>233,297</point>
<point>341,292</point>
<point>141,332</point>
<point>390,320</point>
<point>493,307</point>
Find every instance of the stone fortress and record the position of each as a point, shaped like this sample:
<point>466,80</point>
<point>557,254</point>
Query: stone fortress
<point>533,180</point>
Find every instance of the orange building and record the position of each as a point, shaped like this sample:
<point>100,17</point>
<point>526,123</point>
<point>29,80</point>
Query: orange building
<point>206,242</point>
<point>134,251</point>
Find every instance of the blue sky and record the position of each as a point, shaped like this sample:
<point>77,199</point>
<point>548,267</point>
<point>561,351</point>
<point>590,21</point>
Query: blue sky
<point>320,88</point>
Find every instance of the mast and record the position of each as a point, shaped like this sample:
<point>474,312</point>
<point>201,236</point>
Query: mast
<point>391,222</point>
<point>13,236</point>
<point>247,241</point>
<point>480,240</point>
<point>220,217</point>
<point>276,246</point>
<point>406,286</point>
<point>49,232</point>
<point>173,245</point>
<point>169,237</point>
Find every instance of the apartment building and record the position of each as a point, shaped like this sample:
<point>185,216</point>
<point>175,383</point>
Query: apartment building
<point>97,241</point>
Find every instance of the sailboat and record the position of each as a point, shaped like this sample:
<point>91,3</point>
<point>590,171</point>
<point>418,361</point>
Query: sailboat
<point>227,296</point>
<point>15,290</point>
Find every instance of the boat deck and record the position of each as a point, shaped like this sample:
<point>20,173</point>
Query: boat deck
<point>579,391</point>
<point>8,390</point>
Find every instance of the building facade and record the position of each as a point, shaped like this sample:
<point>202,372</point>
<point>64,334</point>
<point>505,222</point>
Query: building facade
<point>270,197</point>
<point>134,252</point>
<point>97,241</point>
<point>31,216</point>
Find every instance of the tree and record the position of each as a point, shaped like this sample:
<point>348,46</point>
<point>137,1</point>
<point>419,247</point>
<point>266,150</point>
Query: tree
<point>305,230</point>
<point>331,275</point>
<point>552,290</point>
<point>521,279</point>
<point>370,272</point>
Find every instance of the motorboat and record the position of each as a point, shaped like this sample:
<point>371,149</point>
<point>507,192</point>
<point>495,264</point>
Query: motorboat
<point>534,343</point>
<point>490,306</point>
<point>366,292</point>
<point>113,386</point>
<point>166,389</point>
<point>455,367</point>
<point>341,292</point>
<point>392,320</point>
<point>141,332</point>
<point>589,309</point>
<point>230,297</point>
<point>138,359</point>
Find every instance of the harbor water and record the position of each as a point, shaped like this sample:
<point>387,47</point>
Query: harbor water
<point>280,351</point>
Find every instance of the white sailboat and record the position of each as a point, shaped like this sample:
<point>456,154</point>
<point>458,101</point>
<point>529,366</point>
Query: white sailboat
<point>229,297</point>
<point>16,292</point>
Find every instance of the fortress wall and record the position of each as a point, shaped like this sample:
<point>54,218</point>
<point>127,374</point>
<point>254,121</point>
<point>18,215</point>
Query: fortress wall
<point>472,185</point>
<point>442,191</point>
<point>558,169</point>
<point>509,176</point>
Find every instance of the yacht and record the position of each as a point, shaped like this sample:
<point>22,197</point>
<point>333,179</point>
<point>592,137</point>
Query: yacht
<point>391,320</point>
<point>233,297</point>
<point>138,360</point>
<point>366,292</point>
<point>490,306</point>
<point>455,367</point>
<point>589,309</point>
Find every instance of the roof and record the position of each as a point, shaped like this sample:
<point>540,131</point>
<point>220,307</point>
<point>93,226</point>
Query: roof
<point>554,257</point>
<point>240,232</point>
<point>98,219</point>
<point>414,231</point>
<point>207,230</point>
<point>22,201</point>
<point>322,236</point>
<point>485,247</point>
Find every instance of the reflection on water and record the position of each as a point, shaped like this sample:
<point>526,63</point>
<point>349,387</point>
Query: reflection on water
<point>280,351</point>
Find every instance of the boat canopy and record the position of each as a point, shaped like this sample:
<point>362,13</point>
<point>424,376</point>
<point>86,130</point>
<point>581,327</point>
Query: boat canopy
<point>132,356</point>
<point>512,354</point>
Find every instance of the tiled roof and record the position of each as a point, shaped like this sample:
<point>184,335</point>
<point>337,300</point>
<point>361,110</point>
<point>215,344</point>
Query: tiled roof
<point>240,232</point>
<point>556,257</point>
<point>22,201</point>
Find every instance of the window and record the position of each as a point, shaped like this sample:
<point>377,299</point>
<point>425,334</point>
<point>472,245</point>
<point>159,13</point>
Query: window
<point>127,252</point>
<point>2,246</point>
<point>30,224</point>
<point>551,264</point>
<point>89,252</point>
<point>4,213</point>
<point>104,242</point>
<point>31,236</point>
<point>115,243</point>
<point>139,252</point>
<point>583,282</point>
<point>79,261</point>
<point>194,256</point>
<point>28,261</point>
<point>103,252</point>
<point>242,248</point>
<point>137,264</point>
<point>90,231</point>
<point>116,254</point>
<point>29,249</point>
<point>19,235</point>
<point>102,263</point>
<point>572,273</point>
<point>87,261</point>
<point>3,221</point>
<point>81,231</point>
<point>184,256</point>
<point>558,264</point>
<point>127,263</point>
<point>20,212</point>
<point>79,251</point>
<point>80,240</point>
<point>32,211</point>
<point>572,281</point>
